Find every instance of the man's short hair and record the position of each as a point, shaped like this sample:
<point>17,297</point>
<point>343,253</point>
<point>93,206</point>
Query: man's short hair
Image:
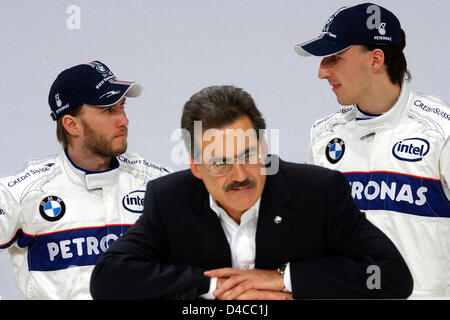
<point>216,107</point>
<point>61,133</point>
<point>394,60</point>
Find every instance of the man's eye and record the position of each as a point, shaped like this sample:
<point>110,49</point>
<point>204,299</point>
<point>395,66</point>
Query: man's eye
<point>251,158</point>
<point>219,164</point>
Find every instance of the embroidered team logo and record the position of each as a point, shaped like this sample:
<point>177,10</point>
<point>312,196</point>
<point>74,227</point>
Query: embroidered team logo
<point>109,94</point>
<point>328,24</point>
<point>102,69</point>
<point>411,149</point>
<point>52,208</point>
<point>382,29</point>
<point>335,150</point>
<point>58,100</point>
<point>134,201</point>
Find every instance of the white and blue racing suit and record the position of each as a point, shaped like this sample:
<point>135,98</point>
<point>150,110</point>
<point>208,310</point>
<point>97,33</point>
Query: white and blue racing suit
<point>398,166</point>
<point>56,219</point>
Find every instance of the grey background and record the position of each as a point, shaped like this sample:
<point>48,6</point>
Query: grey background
<point>177,47</point>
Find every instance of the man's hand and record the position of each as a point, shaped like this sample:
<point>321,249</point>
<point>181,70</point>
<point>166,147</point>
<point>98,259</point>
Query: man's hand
<point>255,294</point>
<point>248,284</point>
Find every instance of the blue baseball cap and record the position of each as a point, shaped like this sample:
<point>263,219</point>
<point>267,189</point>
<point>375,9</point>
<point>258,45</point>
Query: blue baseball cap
<point>92,83</point>
<point>362,24</point>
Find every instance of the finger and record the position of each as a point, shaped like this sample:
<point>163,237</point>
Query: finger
<point>239,290</point>
<point>228,284</point>
<point>289,296</point>
<point>223,296</point>
<point>221,273</point>
<point>275,295</point>
<point>254,294</point>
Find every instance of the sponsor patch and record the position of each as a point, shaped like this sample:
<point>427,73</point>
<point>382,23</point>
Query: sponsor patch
<point>412,149</point>
<point>134,201</point>
<point>68,248</point>
<point>398,192</point>
<point>328,24</point>
<point>52,208</point>
<point>335,150</point>
<point>102,69</point>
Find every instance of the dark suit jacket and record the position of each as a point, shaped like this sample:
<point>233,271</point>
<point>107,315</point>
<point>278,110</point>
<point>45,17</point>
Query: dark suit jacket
<point>329,243</point>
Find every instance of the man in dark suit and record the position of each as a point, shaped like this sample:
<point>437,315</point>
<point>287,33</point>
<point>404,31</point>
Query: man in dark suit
<point>241,224</point>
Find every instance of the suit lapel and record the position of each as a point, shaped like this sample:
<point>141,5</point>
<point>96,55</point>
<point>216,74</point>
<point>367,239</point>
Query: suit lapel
<point>206,228</point>
<point>274,222</point>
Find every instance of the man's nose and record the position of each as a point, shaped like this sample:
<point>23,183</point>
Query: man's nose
<point>238,172</point>
<point>324,69</point>
<point>123,120</point>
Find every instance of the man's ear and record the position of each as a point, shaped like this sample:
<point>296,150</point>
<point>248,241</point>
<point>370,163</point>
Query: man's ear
<point>194,168</point>
<point>71,124</point>
<point>377,60</point>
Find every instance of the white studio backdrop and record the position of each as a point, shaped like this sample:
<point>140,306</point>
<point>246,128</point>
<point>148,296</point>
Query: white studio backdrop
<point>174,48</point>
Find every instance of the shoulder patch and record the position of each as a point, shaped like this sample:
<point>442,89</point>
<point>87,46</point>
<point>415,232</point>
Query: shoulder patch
<point>139,167</point>
<point>28,183</point>
<point>324,126</point>
<point>433,113</point>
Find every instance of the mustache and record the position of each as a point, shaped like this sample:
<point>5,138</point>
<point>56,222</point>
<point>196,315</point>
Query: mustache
<point>237,184</point>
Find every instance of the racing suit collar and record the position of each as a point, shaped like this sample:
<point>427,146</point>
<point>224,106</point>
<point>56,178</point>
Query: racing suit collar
<point>388,119</point>
<point>90,179</point>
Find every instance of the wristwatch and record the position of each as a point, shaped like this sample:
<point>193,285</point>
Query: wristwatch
<point>281,269</point>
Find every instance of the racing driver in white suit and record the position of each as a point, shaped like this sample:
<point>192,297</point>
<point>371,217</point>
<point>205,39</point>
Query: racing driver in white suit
<point>391,143</point>
<point>60,213</point>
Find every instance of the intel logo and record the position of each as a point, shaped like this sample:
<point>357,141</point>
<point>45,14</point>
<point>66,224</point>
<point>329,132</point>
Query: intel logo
<point>134,201</point>
<point>412,149</point>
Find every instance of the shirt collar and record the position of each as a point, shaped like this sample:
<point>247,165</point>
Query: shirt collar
<point>91,179</point>
<point>361,115</point>
<point>221,213</point>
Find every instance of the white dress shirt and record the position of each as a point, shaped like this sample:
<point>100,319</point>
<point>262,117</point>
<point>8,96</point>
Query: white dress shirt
<point>241,238</point>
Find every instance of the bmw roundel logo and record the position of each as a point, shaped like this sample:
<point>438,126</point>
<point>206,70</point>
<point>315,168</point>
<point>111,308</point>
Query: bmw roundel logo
<point>335,150</point>
<point>101,68</point>
<point>328,24</point>
<point>52,208</point>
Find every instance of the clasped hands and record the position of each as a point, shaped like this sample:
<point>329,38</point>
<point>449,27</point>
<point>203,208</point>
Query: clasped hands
<point>254,284</point>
